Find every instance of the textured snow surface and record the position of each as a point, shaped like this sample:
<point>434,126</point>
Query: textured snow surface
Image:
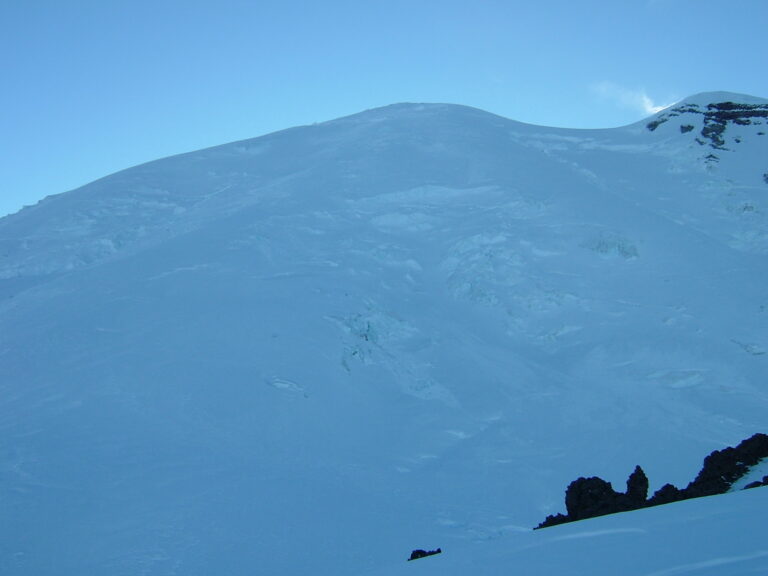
<point>703,537</point>
<point>317,350</point>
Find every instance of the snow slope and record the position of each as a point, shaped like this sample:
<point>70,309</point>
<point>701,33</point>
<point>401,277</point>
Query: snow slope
<point>706,536</point>
<point>314,351</point>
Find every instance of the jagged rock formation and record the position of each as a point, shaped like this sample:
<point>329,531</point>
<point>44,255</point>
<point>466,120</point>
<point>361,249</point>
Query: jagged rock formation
<point>637,486</point>
<point>591,497</point>
<point>716,117</point>
<point>724,467</point>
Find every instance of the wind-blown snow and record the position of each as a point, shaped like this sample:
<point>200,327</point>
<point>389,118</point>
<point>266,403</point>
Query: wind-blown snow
<point>314,351</point>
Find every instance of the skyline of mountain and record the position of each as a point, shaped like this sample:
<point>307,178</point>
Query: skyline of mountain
<point>316,350</point>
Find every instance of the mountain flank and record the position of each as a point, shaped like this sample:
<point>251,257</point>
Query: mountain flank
<point>406,326</point>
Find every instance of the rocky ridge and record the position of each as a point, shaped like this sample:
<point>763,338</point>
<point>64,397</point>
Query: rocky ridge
<point>592,497</point>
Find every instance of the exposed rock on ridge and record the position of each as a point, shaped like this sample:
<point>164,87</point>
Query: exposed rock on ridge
<point>716,118</point>
<point>591,497</point>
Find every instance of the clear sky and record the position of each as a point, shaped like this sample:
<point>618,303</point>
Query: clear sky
<point>90,87</point>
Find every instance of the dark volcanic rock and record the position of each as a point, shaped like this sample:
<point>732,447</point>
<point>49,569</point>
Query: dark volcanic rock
<point>716,118</point>
<point>757,483</point>
<point>553,520</point>
<point>417,554</point>
<point>723,467</point>
<point>590,497</point>
<point>637,487</point>
<point>666,495</point>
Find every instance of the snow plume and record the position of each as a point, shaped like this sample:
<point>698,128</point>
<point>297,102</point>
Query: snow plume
<point>628,98</point>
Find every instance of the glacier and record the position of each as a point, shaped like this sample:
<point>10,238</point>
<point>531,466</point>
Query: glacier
<point>319,349</point>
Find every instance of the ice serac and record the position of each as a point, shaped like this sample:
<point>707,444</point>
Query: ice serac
<point>312,351</point>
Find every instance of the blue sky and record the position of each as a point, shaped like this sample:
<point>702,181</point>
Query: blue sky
<point>94,86</point>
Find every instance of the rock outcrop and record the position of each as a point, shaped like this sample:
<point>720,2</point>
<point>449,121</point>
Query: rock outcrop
<point>591,497</point>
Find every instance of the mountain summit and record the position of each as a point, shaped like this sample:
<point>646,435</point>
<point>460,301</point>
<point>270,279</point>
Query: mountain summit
<point>317,349</point>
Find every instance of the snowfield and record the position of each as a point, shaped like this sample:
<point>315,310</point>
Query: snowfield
<point>314,351</point>
<point>705,536</point>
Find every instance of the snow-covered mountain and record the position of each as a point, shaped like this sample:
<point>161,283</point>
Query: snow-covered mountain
<point>311,352</point>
